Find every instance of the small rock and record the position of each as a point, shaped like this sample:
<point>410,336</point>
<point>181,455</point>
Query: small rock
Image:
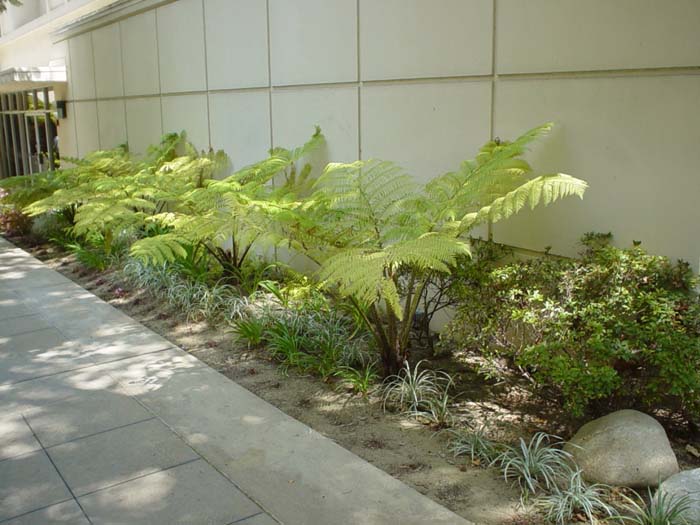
<point>690,449</point>
<point>686,483</point>
<point>625,448</point>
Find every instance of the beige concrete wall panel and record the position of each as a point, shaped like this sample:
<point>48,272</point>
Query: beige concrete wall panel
<point>106,43</point>
<point>112,123</point>
<point>140,55</point>
<point>86,125</point>
<point>240,125</point>
<point>425,38</point>
<point>313,41</point>
<point>143,120</point>
<point>296,111</point>
<point>576,35</point>
<point>181,46</point>
<point>427,128</point>
<point>236,34</point>
<point>634,139</point>
<point>187,113</point>
<point>82,70</point>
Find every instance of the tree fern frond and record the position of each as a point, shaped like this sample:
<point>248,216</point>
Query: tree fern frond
<point>369,197</point>
<point>429,252</point>
<point>160,249</point>
<point>541,190</point>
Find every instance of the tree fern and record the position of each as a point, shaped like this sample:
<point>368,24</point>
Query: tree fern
<point>240,210</point>
<point>378,237</point>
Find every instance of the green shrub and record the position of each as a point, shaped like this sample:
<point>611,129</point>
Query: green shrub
<point>14,222</point>
<point>51,227</point>
<point>617,328</point>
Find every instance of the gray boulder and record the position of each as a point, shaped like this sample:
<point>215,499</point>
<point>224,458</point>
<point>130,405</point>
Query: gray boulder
<point>625,448</point>
<point>686,483</point>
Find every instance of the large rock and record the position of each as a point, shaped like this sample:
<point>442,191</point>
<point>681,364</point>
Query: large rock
<point>625,448</point>
<point>686,483</point>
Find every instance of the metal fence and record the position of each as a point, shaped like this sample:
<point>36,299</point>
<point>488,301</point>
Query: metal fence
<point>28,132</point>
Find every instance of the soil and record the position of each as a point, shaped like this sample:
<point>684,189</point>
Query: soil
<point>408,450</point>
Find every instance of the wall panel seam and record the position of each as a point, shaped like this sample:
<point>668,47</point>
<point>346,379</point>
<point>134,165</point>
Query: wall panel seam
<point>269,73</point>
<point>160,83</point>
<point>206,70</point>
<point>75,121</point>
<point>359,85</point>
<point>123,97</point>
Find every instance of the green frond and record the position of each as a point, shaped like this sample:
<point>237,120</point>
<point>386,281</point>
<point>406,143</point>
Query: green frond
<point>356,273</point>
<point>496,151</point>
<point>369,275</point>
<point>160,249</point>
<point>370,198</point>
<point>429,252</point>
<point>541,190</point>
<point>295,155</point>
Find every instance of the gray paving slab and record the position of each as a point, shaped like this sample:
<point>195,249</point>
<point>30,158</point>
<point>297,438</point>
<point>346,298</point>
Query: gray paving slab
<point>45,339</point>
<point>77,417</point>
<point>35,396</point>
<point>16,438</point>
<point>28,483</point>
<point>75,311</point>
<point>37,354</point>
<point>67,513</point>
<point>258,519</point>
<point>22,325</point>
<point>130,343</point>
<point>293,471</point>
<point>109,458</point>
<point>18,278</point>
<point>191,493</point>
<point>11,306</point>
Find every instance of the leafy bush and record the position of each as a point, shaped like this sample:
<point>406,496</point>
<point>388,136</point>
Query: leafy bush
<point>14,222</point>
<point>617,328</point>
<point>250,329</point>
<point>51,227</point>
<point>196,298</point>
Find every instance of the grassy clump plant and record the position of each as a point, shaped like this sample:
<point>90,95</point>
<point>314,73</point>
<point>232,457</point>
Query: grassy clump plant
<point>562,505</point>
<point>538,464</point>
<point>420,393</point>
<point>303,329</point>
<point>475,444</point>
<point>661,509</point>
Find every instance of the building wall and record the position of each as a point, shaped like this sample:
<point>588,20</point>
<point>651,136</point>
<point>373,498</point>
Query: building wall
<point>423,83</point>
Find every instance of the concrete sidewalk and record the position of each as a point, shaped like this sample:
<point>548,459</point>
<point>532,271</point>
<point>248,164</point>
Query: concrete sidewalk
<point>103,421</point>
